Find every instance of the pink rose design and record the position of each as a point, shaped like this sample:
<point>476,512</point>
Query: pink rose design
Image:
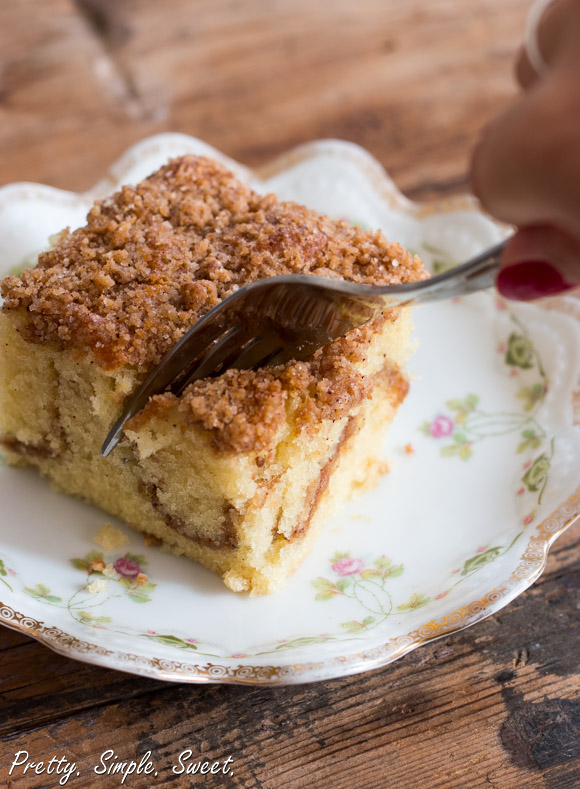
<point>127,567</point>
<point>527,464</point>
<point>454,572</point>
<point>528,519</point>
<point>521,492</point>
<point>238,654</point>
<point>348,566</point>
<point>442,594</point>
<point>441,426</point>
<point>152,632</point>
<point>502,347</point>
<point>192,640</point>
<point>11,571</point>
<point>481,548</point>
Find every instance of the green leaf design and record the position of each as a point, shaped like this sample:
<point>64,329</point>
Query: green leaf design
<point>472,401</point>
<point>425,428</point>
<point>339,555</point>
<point>359,223</point>
<point>460,438</point>
<point>323,583</point>
<point>480,559</point>
<point>353,626</point>
<point>461,411</point>
<point>42,592</point>
<point>344,583</point>
<point>89,619</point>
<point>440,266</point>
<point>416,601</point>
<point>520,352</point>
<point>382,562</point>
<point>394,571</point>
<point>81,564</point>
<point>86,561</point>
<point>3,574</point>
<point>304,641</point>
<point>531,395</point>
<point>530,441</point>
<point>170,641</point>
<point>461,450</point>
<point>442,260</point>
<point>140,558</point>
<point>369,574</point>
<point>536,476</point>
<point>326,595</point>
<point>139,597</point>
<point>27,262</point>
<point>465,406</point>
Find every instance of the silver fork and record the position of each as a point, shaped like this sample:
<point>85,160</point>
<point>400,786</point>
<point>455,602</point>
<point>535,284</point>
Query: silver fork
<point>277,319</point>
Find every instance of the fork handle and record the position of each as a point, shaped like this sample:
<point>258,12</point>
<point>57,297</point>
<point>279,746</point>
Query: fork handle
<point>477,274</point>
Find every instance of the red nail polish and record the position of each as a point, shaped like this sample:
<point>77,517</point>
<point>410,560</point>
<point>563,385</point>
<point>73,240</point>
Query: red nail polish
<point>531,280</point>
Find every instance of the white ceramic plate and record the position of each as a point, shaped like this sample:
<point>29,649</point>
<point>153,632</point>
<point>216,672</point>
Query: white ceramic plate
<point>484,457</point>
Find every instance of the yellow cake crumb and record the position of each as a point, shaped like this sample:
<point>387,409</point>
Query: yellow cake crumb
<point>109,538</point>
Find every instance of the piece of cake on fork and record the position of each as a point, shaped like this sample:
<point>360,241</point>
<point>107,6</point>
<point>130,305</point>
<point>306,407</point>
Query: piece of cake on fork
<point>241,471</point>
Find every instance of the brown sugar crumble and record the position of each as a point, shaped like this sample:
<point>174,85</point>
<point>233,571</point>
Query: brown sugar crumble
<point>154,258</point>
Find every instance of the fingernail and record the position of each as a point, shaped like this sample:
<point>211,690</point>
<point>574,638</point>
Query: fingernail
<point>531,280</point>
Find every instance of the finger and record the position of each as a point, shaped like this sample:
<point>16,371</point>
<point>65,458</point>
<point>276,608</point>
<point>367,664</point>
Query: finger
<point>526,74</point>
<point>549,35</point>
<point>526,168</point>
<point>538,262</point>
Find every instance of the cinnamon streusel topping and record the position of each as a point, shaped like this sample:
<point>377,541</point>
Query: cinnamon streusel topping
<point>152,259</point>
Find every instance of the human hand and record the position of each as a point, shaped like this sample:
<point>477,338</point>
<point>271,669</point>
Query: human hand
<point>526,168</point>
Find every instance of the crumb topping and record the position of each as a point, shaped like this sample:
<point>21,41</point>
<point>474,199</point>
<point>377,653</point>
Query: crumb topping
<point>153,258</point>
<point>244,409</point>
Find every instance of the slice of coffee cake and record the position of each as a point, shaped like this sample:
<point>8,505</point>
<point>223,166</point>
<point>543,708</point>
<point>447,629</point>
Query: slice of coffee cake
<point>241,471</point>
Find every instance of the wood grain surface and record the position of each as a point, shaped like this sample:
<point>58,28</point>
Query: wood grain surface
<point>413,81</point>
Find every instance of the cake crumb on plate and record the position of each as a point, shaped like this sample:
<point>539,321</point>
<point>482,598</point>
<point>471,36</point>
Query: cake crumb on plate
<point>109,538</point>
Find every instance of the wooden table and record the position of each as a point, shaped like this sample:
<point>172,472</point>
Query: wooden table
<point>413,81</point>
